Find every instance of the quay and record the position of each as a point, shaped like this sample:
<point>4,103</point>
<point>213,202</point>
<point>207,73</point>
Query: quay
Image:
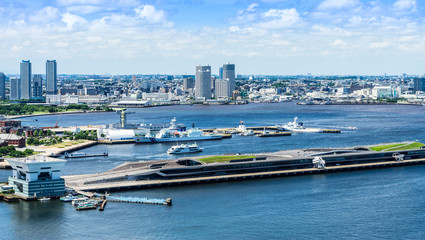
<point>134,185</point>
<point>274,134</point>
<point>55,151</point>
<point>165,173</point>
<point>260,130</point>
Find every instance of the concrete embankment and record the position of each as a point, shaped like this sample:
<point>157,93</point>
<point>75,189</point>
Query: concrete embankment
<point>49,151</point>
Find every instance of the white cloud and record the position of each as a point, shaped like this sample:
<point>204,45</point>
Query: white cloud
<point>252,7</point>
<point>84,9</point>
<point>80,2</point>
<point>338,43</point>
<point>71,20</point>
<point>45,15</point>
<point>247,15</point>
<point>379,44</point>
<point>61,44</point>
<point>16,48</point>
<point>337,4</point>
<point>405,5</point>
<point>280,18</point>
<point>151,14</point>
<point>329,31</point>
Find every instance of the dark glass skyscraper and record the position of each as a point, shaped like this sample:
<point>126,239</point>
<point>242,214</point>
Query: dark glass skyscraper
<point>15,88</point>
<point>51,77</point>
<point>2,86</point>
<point>419,84</point>
<point>229,74</point>
<point>37,86</point>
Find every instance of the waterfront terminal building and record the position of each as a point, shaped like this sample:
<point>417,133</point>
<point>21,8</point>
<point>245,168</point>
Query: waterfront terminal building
<point>37,176</point>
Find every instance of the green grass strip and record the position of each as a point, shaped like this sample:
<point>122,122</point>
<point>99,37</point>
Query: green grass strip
<point>383,147</point>
<point>224,158</point>
<point>412,146</point>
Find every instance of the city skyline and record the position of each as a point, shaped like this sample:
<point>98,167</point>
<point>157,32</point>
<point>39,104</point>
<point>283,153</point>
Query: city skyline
<point>170,37</point>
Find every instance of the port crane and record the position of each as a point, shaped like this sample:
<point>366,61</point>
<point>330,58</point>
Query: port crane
<point>56,124</point>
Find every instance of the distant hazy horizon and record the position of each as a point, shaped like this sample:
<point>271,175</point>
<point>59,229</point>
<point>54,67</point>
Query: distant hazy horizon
<point>270,37</point>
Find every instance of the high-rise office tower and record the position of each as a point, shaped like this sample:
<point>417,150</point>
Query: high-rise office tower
<point>15,88</point>
<point>25,79</point>
<point>229,74</point>
<point>203,82</point>
<point>220,73</point>
<point>51,77</point>
<point>188,82</point>
<point>2,86</point>
<point>222,88</point>
<point>419,84</point>
<point>37,86</point>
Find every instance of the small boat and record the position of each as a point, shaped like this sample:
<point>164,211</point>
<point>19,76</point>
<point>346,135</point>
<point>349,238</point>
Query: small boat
<point>68,198</point>
<point>184,148</point>
<point>247,133</point>
<point>44,199</point>
<point>79,201</point>
<point>81,155</point>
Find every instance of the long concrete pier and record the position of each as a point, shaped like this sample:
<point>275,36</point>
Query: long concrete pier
<point>144,184</point>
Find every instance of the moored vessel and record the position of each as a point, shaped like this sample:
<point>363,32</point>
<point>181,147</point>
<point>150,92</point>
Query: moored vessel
<point>176,134</point>
<point>295,126</point>
<point>184,148</point>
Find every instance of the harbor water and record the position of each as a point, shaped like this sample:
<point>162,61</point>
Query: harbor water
<point>372,204</point>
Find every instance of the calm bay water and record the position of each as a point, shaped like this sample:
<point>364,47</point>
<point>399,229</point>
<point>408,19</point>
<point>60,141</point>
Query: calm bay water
<point>375,204</point>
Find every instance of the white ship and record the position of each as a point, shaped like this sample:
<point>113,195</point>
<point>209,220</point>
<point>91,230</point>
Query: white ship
<point>247,133</point>
<point>299,127</point>
<point>184,148</point>
<point>176,134</point>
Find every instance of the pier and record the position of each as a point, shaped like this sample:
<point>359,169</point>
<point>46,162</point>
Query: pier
<point>83,155</point>
<point>167,201</point>
<point>260,130</point>
<point>125,177</point>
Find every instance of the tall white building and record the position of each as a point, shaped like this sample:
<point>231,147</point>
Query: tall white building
<point>26,79</point>
<point>222,88</point>
<point>203,82</point>
<point>51,77</point>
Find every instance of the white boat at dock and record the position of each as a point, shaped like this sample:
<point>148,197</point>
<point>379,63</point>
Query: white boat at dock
<point>184,148</point>
<point>44,199</point>
<point>175,134</point>
<point>295,126</point>
<point>247,133</point>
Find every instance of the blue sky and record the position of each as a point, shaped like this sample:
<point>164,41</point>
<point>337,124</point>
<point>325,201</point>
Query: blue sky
<point>173,36</point>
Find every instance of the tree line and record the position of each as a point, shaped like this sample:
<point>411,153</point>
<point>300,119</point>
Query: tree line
<point>25,109</point>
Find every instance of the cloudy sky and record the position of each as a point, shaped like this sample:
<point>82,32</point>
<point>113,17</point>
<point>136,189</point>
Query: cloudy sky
<point>173,36</point>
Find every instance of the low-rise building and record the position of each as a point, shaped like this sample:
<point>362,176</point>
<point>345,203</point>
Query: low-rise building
<point>13,139</point>
<point>37,176</point>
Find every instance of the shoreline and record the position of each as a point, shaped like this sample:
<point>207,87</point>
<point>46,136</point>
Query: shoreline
<point>55,113</point>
